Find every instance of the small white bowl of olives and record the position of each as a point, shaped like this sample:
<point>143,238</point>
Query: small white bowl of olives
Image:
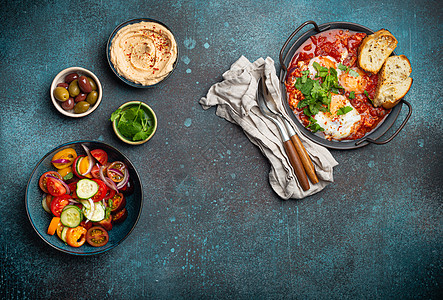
<point>76,92</point>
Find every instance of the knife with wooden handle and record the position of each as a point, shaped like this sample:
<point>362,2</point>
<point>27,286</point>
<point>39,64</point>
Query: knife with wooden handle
<point>296,164</point>
<point>301,150</point>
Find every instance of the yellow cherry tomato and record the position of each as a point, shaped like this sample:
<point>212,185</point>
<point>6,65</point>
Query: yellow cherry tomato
<point>67,156</point>
<point>83,167</point>
<point>65,171</point>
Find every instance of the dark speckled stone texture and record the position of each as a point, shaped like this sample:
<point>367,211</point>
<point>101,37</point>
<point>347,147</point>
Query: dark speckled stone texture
<point>211,225</point>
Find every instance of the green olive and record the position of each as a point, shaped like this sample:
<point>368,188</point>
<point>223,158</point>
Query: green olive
<point>61,94</point>
<point>81,107</point>
<point>92,97</point>
<point>74,89</point>
<point>92,83</point>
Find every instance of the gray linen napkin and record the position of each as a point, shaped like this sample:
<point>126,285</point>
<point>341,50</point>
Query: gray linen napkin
<point>235,98</point>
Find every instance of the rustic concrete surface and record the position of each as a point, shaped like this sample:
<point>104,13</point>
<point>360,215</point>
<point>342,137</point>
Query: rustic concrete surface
<point>211,225</point>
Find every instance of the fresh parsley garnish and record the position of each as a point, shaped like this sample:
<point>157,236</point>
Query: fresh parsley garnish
<point>344,110</point>
<point>348,70</point>
<point>317,93</point>
<point>313,125</point>
<point>352,95</point>
<point>133,123</point>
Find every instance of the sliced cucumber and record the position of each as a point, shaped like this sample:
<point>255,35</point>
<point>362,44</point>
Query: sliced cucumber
<point>63,235</point>
<point>71,216</point>
<point>93,211</point>
<point>45,205</point>
<point>86,188</point>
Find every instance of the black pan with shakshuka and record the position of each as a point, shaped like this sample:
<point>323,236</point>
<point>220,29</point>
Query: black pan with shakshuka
<point>286,61</point>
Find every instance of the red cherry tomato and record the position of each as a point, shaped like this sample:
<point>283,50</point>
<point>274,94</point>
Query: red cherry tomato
<point>102,190</point>
<point>58,203</point>
<point>117,203</point>
<point>42,180</point>
<point>109,194</point>
<point>85,224</point>
<point>106,223</point>
<point>95,171</point>
<point>55,187</point>
<point>73,187</point>
<point>120,216</point>
<point>76,237</point>
<point>97,236</point>
<point>100,155</point>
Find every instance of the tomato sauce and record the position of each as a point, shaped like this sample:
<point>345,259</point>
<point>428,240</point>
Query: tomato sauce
<point>342,46</point>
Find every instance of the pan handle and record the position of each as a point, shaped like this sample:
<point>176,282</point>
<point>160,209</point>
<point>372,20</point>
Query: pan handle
<point>282,64</point>
<point>395,133</point>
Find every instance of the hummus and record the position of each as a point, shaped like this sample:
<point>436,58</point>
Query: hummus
<point>143,52</point>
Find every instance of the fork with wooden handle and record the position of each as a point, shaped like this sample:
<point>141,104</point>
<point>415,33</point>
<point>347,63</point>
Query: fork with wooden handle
<point>303,154</point>
<point>290,149</point>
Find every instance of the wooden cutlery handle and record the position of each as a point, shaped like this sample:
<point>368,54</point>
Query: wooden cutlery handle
<point>296,164</point>
<point>305,159</point>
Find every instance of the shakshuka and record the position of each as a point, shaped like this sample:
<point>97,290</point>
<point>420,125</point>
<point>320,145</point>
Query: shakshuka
<point>328,92</point>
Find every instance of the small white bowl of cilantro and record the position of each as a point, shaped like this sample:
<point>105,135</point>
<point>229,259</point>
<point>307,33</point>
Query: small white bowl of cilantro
<point>134,122</point>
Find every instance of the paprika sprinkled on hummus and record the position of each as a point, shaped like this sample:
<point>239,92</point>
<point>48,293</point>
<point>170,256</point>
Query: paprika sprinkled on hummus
<point>144,52</point>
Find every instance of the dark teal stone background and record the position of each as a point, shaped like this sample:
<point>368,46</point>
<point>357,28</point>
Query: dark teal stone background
<point>212,228</point>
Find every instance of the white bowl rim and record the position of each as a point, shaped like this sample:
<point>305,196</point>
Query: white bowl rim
<point>55,81</point>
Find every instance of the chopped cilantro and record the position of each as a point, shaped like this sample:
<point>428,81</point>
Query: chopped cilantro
<point>133,123</point>
<point>347,70</point>
<point>344,110</point>
<point>352,95</point>
<point>317,93</point>
<point>313,125</point>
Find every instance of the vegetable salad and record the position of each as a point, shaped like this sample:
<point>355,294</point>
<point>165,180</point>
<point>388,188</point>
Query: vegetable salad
<point>86,196</point>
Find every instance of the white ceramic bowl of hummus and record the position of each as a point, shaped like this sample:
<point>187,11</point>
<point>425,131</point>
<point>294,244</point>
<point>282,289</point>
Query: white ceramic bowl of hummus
<point>142,52</point>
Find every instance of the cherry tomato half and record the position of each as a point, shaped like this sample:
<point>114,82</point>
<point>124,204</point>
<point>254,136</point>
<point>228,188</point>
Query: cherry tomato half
<point>58,203</point>
<point>102,190</point>
<point>73,187</point>
<point>97,236</point>
<point>106,223</point>
<point>55,187</point>
<point>68,155</point>
<point>42,180</point>
<point>85,224</point>
<point>100,155</point>
<point>75,237</point>
<point>116,171</point>
<point>129,188</point>
<point>120,216</point>
<point>95,171</point>
<point>117,203</point>
<point>109,194</point>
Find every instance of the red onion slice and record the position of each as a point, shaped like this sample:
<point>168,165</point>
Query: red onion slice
<point>68,190</point>
<point>90,158</point>
<point>61,161</point>
<point>109,183</point>
<point>125,179</point>
<point>118,172</point>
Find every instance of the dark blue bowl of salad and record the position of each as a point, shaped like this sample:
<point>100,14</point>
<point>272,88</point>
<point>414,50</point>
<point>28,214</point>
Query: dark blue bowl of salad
<point>105,213</point>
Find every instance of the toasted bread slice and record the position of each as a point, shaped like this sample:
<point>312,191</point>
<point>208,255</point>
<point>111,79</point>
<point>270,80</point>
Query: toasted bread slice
<point>393,81</point>
<point>375,49</point>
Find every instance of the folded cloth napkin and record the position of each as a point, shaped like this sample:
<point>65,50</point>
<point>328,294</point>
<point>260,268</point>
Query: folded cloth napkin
<point>235,98</point>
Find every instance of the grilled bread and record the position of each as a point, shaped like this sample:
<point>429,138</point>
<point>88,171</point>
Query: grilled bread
<point>375,49</point>
<point>393,81</point>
